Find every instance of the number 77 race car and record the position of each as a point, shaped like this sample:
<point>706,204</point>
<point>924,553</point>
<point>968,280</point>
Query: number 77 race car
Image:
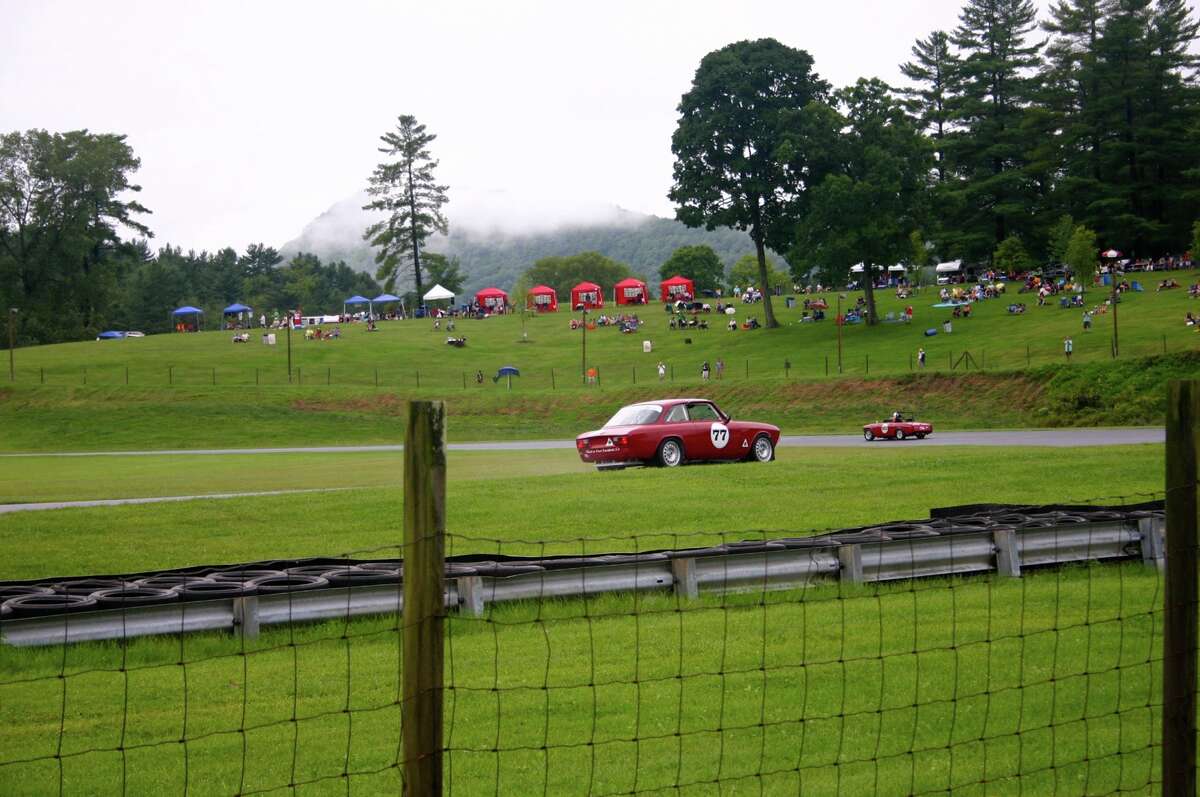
<point>673,431</point>
<point>898,428</point>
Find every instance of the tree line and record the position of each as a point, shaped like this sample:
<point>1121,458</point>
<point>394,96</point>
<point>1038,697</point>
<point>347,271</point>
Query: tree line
<point>1015,136</point>
<point>1017,140</point>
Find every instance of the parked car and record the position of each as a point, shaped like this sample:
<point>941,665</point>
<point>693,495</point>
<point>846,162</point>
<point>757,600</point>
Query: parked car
<point>671,432</point>
<point>899,427</point>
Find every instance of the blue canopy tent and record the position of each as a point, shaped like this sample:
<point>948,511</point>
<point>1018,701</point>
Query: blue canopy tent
<point>356,299</point>
<point>384,298</point>
<point>180,313</point>
<point>110,335</point>
<point>237,310</point>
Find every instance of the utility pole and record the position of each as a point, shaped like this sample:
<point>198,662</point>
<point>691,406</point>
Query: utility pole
<point>12,342</point>
<point>583,361</point>
<point>289,345</point>
<point>1116,295</point>
<point>839,321</point>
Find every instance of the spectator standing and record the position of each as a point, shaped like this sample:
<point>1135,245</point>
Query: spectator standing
<point>704,371</point>
<point>921,357</point>
<point>720,368</point>
<point>1068,347</point>
<point>662,370</point>
<point>1087,320</point>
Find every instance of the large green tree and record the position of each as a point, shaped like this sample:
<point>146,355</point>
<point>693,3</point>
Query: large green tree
<point>65,199</point>
<point>735,163</point>
<point>698,263</point>
<point>867,211</point>
<point>403,187</point>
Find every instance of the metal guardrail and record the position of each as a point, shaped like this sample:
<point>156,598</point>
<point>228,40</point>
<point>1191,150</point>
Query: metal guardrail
<point>1000,541</point>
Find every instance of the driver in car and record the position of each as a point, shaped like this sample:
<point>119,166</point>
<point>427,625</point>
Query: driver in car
<point>896,417</point>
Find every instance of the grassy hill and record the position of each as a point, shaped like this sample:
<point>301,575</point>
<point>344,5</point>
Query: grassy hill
<point>203,390</point>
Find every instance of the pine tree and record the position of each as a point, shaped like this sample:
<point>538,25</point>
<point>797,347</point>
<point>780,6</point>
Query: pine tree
<point>404,189</point>
<point>994,195</point>
<point>1070,94</point>
<point>933,70</point>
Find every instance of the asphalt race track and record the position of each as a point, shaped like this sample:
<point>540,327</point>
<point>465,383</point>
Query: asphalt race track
<point>1046,437</point>
<point>1062,438</point>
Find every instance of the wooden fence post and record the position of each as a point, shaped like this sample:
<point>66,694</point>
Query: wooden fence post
<point>1180,609</point>
<point>424,602</point>
<point>552,385</point>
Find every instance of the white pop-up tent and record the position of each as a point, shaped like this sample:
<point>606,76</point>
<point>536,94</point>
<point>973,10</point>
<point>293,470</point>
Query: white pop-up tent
<point>857,268</point>
<point>896,269</point>
<point>949,267</point>
<point>437,293</point>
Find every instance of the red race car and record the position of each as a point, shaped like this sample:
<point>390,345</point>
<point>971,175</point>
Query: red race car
<point>898,428</point>
<point>673,431</point>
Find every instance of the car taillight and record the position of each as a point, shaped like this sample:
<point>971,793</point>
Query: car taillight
<point>581,443</point>
<point>624,441</point>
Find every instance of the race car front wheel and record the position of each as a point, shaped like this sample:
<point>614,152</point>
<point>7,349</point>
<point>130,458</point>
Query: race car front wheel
<point>868,435</point>
<point>670,454</point>
<point>764,451</point>
<point>899,434</point>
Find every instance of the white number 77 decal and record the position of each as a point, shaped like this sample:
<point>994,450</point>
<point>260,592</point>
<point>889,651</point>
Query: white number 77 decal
<point>719,434</point>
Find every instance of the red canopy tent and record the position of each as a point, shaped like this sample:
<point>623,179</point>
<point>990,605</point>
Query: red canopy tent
<point>587,295</point>
<point>493,300</point>
<point>677,288</point>
<point>630,291</point>
<point>542,298</point>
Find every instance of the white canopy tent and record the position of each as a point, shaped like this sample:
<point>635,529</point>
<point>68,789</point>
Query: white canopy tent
<point>896,269</point>
<point>858,268</point>
<point>949,267</point>
<point>438,293</point>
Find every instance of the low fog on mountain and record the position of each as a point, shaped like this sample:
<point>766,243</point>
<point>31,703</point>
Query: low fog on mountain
<point>498,234</point>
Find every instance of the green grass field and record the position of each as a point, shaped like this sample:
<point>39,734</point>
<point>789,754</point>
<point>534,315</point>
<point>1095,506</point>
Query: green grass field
<point>1047,684</point>
<point>514,502</point>
<point>226,395</point>
<point>1042,685</point>
<point>1150,323</point>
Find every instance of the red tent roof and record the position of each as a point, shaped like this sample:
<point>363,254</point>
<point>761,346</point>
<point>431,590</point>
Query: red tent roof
<point>677,280</point>
<point>586,286</point>
<point>630,282</point>
<point>543,290</point>
<point>491,293</point>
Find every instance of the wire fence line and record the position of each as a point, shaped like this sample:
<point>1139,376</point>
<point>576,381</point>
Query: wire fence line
<point>1050,683</point>
<point>478,375</point>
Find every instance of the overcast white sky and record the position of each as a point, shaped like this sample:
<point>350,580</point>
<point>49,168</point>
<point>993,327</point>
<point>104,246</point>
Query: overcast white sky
<point>251,118</point>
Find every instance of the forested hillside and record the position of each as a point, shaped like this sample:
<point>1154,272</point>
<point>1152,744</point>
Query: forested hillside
<point>496,257</point>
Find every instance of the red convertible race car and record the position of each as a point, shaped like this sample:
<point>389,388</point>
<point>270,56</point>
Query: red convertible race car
<point>673,431</point>
<point>898,428</point>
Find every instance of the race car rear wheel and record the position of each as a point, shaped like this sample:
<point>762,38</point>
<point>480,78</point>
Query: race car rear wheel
<point>868,435</point>
<point>670,453</point>
<point>764,450</point>
<point>899,434</point>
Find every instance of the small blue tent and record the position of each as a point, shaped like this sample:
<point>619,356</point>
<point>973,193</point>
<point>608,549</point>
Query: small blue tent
<point>180,312</point>
<point>110,335</point>
<point>356,299</point>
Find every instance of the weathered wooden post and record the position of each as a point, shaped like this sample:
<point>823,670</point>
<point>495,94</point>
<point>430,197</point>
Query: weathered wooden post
<point>424,601</point>
<point>1180,610</point>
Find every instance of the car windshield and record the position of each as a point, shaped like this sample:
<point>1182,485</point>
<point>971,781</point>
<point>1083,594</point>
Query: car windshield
<point>635,414</point>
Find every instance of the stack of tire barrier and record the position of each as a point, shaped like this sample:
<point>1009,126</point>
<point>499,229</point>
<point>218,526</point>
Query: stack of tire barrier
<point>130,593</point>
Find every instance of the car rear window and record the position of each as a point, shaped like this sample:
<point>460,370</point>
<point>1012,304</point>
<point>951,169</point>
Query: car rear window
<point>635,414</point>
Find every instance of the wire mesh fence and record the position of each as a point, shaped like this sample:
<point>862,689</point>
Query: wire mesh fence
<point>480,374</point>
<point>892,659</point>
